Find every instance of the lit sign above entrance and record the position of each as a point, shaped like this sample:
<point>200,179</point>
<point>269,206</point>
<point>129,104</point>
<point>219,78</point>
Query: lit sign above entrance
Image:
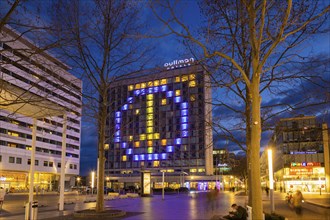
<point>306,164</point>
<point>179,63</point>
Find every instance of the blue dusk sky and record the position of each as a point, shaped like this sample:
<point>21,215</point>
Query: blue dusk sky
<point>169,48</point>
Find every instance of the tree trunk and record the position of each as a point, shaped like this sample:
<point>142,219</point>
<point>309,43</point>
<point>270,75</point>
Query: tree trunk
<point>101,158</point>
<point>248,143</point>
<point>257,208</point>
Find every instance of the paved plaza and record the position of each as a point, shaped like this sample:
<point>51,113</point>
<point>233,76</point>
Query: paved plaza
<point>175,206</point>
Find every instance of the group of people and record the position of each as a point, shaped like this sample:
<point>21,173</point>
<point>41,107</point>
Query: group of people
<point>295,201</point>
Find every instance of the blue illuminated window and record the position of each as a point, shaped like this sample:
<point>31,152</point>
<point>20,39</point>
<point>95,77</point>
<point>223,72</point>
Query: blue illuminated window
<point>178,141</point>
<point>177,99</point>
<point>137,92</point>
<point>143,91</point>
<point>117,126</point>
<point>164,88</point>
<point>184,133</point>
<point>149,157</point>
<point>155,156</point>
<point>150,90</point>
<point>125,107</point>
<point>118,120</point>
<point>141,157</point>
<point>163,156</point>
<point>117,133</point>
<point>184,112</point>
<point>129,151</point>
<point>184,119</point>
<point>117,139</point>
<point>184,105</point>
<point>156,89</point>
<point>124,145</point>
<point>136,157</point>
<point>184,126</point>
<point>118,114</point>
<point>169,94</point>
<point>130,100</point>
<point>169,149</point>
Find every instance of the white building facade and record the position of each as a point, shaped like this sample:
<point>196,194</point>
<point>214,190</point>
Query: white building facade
<point>35,85</point>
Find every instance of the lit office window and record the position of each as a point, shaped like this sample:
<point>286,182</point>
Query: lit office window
<point>163,81</point>
<point>137,92</point>
<point>177,79</point>
<point>125,107</point>
<point>143,85</point>
<point>149,157</point>
<point>150,150</point>
<point>149,123</point>
<point>156,89</point>
<point>137,111</point>
<point>156,83</point>
<point>169,149</point>
<point>130,87</point>
<point>184,105</point>
<point>184,126</point>
<point>130,100</point>
<point>136,157</point>
<point>163,142</point>
<point>184,78</point>
<point>177,92</point>
<point>178,141</point>
<point>142,137</point>
<point>184,133</point>
<point>124,145</point>
<point>155,156</point>
<point>177,99</point>
<point>184,119</point>
<point>149,143</point>
<point>150,103</point>
<point>150,110</point>
<point>124,158</point>
<point>130,138</point>
<point>150,117</point>
<point>143,91</point>
<point>141,157</point>
<point>150,136</point>
<point>192,98</point>
<point>150,97</point>
<point>129,151</point>
<point>150,130</point>
<point>137,86</point>
<point>192,83</point>
<point>118,114</point>
<point>169,94</point>
<point>150,90</point>
<point>156,135</point>
<point>163,88</point>
<point>192,76</point>
<point>163,102</point>
<point>184,112</point>
<point>117,120</point>
<point>150,84</point>
<point>163,156</point>
<point>156,163</point>
<point>137,143</point>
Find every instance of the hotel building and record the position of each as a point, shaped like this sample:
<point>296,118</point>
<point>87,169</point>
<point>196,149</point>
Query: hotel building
<point>301,155</point>
<point>161,121</point>
<point>36,87</point>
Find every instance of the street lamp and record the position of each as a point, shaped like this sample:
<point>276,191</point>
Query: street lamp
<point>78,181</point>
<point>93,181</point>
<point>271,180</point>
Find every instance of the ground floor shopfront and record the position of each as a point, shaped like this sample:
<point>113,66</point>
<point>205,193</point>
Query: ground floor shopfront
<point>14,181</point>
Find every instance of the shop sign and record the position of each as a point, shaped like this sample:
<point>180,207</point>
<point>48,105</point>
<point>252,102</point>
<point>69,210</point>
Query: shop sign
<point>306,164</point>
<point>301,171</point>
<point>303,152</point>
<point>179,63</point>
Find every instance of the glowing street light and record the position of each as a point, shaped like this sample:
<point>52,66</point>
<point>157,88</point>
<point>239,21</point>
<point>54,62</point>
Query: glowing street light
<point>271,179</point>
<point>93,181</point>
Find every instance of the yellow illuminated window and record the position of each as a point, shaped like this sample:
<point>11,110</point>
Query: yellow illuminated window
<point>156,163</point>
<point>177,79</point>
<point>149,123</point>
<point>163,101</point>
<point>150,103</point>
<point>137,86</point>
<point>163,142</point>
<point>137,143</point>
<point>192,98</point>
<point>201,170</point>
<point>163,81</point>
<point>156,135</point>
<point>124,158</point>
<point>184,78</point>
<point>106,147</point>
<point>150,84</point>
<point>130,106</point>
<point>170,171</point>
<point>137,111</point>
<point>130,87</point>
<point>192,76</point>
<point>192,83</point>
<point>150,130</point>
<point>177,92</point>
<point>150,110</point>
<point>142,137</point>
<point>149,136</point>
<point>156,83</point>
<point>149,143</point>
<point>13,134</point>
<point>150,116</point>
<point>130,137</point>
<point>150,96</point>
<point>143,85</point>
<point>28,148</point>
<point>150,150</point>
<point>193,170</point>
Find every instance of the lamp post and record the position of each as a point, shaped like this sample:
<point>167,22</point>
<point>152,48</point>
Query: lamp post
<point>78,181</point>
<point>163,186</point>
<point>271,180</point>
<point>107,182</point>
<point>93,181</point>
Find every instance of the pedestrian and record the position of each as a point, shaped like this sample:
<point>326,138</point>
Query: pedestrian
<point>297,201</point>
<point>267,190</point>
<point>238,213</point>
<point>2,197</point>
<point>281,189</point>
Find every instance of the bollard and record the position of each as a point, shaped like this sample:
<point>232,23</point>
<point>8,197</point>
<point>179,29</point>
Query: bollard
<point>34,210</point>
<point>27,211</point>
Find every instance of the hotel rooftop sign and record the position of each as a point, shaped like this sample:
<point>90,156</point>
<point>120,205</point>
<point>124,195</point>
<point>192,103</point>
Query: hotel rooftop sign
<point>179,63</point>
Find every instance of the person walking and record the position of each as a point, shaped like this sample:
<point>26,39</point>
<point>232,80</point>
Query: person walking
<point>2,197</point>
<point>297,201</point>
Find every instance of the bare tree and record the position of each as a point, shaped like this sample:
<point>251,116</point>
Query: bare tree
<point>251,39</point>
<point>100,52</point>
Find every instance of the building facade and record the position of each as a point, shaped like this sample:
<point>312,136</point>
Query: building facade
<point>160,122</point>
<point>301,155</point>
<point>36,85</point>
